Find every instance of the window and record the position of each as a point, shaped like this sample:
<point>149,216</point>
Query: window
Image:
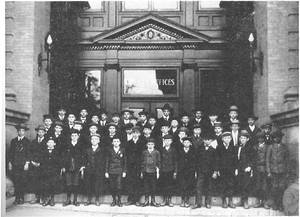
<point>150,5</point>
<point>209,4</point>
<point>93,87</point>
<point>96,5</point>
<point>150,82</point>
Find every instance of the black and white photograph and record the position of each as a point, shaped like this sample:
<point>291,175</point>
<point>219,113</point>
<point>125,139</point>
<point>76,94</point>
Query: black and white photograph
<point>150,108</point>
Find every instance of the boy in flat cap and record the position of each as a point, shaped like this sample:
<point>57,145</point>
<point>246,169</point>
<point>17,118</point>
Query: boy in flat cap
<point>48,121</point>
<point>95,118</point>
<point>182,133</point>
<point>134,149</point>
<point>34,172</point>
<point>70,123</point>
<point>198,117</point>
<point>168,170</point>
<point>94,169</point>
<point>126,114</point>
<point>150,166</point>
<point>226,166</point>
<point>186,171</point>
<point>18,161</point>
<point>206,171</point>
<point>103,123</point>
<point>277,168</point>
<point>267,129</point>
<point>128,132</point>
<point>174,128</point>
<point>116,120</point>
<point>83,117</point>
<point>185,121</point>
<point>197,140</point>
<point>116,169</point>
<point>233,116</point>
<point>260,175</point>
<point>92,130</point>
<point>155,128</point>
<point>164,130</point>
<point>218,131</point>
<point>50,167</point>
<point>212,119</point>
<point>143,116</point>
<point>244,166</point>
<point>166,109</point>
<point>61,115</point>
<point>72,166</point>
<point>252,128</point>
<point>60,138</point>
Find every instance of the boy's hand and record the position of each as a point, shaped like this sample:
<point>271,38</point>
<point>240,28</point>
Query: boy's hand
<point>123,175</point>
<point>215,175</point>
<point>157,175</point>
<point>248,169</point>
<point>9,166</point>
<point>236,172</point>
<point>63,170</point>
<point>26,166</point>
<point>106,175</point>
<point>195,175</point>
<point>142,175</point>
<point>269,174</point>
<point>174,175</point>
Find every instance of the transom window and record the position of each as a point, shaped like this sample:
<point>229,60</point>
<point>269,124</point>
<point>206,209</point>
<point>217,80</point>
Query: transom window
<point>151,5</point>
<point>209,4</point>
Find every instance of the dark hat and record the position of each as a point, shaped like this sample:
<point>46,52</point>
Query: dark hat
<point>78,122</point>
<point>126,110</point>
<point>47,116</point>
<point>50,138</point>
<point>183,114</point>
<point>277,134</point>
<point>253,117</point>
<point>187,138</point>
<point>74,131</point>
<point>21,126</point>
<point>150,140</point>
<point>128,126</point>
<point>227,133</point>
<point>95,113</point>
<point>183,129</point>
<point>260,135</point>
<point>244,133</point>
<point>83,108</point>
<point>233,108</point>
<point>72,112</point>
<point>61,109</point>
<point>218,124</point>
<point>136,129</point>
<point>168,136</point>
<point>40,127</point>
<point>143,113</point>
<point>98,135</point>
<point>166,107</point>
<point>116,137</point>
<point>235,122</point>
<point>102,111</point>
<point>111,124</point>
<point>213,112</point>
<point>164,123</point>
<point>197,126</point>
<point>152,116</point>
<point>92,124</point>
<point>58,123</point>
<point>267,125</point>
<point>208,135</point>
<point>198,108</point>
<point>115,114</point>
<point>147,126</point>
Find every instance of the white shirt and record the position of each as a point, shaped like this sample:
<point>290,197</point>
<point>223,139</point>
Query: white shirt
<point>116,149</point>
<point>95,147</point>
<point>20,138</point>
<point>235,137</point>
<point>186,149</point>
<point>252,127</point>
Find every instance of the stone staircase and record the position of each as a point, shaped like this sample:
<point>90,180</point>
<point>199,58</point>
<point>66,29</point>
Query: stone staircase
<point>134,211</point>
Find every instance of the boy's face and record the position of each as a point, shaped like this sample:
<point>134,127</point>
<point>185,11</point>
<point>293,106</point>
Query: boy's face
<point>147,131</point>
<point>152,121</point>
<point>41,133</point>
<point>112,129</point>
<point>267,130</point>
<point>251,121</point>
<point>48,122</point>
<point>74,136</point>
<point>218,130</point>
<point>93,129</point>
<point>136,134</point>
<point>128,131</point>
<point>168,142</point>
<point>78,127</point>
<point>61,113</point>
<point>143,117</point>
<point>233,114</point>
<point>58,129</point>
<point>226,139</point>
<point>197,131</point>
<point>174,123</point>
<point>71,118</point>
<point>207,142</point>
<point>116,142</point>
<point>181,134</point>
<point>277,139</point>
<point>95,118</point>
<point>150,145</point>
<point>164,129</point>
<point>133,121</point>
<point>51,144</point>
<point>83,113</point>
<point>185,119</point>
<point>198,114</point>
<point>186,143</point>
<point>166,112</point>
<point>235,127</point>
<point>126,115</point>
<point>115,119</point>
<point>95,140</point>
<point>213,118</point>
<point>103,116</point>
<point>21,132</point>
<point>244,139</point>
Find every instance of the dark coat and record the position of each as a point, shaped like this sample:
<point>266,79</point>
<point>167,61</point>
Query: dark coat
<point>19,152</point>
<point>35,149</point>
<point>246,156</point>
<point>95,162</point>
<point>150,161</point>
<point>197,142</point>
<point>226,158</point>
<point>205,160</point>
<point>116,163</point>
<point>134,153</point>
<point>259,158</point>
<point>61,141</point>
<point>277,158</point>
<point>51,163</point>
<point>72,157</point>
<point>168,159</point>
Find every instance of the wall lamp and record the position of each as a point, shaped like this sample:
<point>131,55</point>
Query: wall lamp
<point>48,47</point>
<point>256,57</point>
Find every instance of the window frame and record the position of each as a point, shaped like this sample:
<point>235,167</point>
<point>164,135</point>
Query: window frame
<point>150,7</point>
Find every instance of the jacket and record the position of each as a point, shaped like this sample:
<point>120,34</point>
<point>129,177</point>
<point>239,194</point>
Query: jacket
<point>19,152</point>
<point>150,161</point>
<point>277,158</point>
<point>116,163</point>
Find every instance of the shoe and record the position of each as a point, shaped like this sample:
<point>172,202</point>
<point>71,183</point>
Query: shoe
<point>266,206</point>
<point>114,203</point>
<point>35,200</point>
<point>258,204</point>
<point>67,202</point>
<point>246,205</point>
<point>51,202</point>
<point>196,206</point>
<point>21,201</point>
<point>164,202</point>
<point>208,205</point>
<point>231,204</point>
<point>88,202</point>
<point>153,203</point>
<point>146,203</point>
<point>75,203</point>
<point>129,203</point>
<point>182,203</point>
<point>225,203</point>
<point>187,204</point>
<point>208,202</point>
<point>170,201</point>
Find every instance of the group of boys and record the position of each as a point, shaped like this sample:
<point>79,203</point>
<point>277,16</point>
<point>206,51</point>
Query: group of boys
<point>194,152</point>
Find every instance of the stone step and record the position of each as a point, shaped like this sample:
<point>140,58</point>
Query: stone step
<point>105,210</point>
<point>107,199</point>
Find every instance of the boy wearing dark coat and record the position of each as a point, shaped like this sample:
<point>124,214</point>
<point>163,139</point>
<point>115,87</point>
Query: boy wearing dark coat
<point>150,166</point>
<point>206,170</point>
<point>72,166</point>
<point>50,167</point>
<point>277,168</point>
<point>168,170</point>
<point>186,171</point>
<point>226,166</point>
<point>18,162</point>
<point>34,174</point>
<point>94,169</point>
<point>116,169</point>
